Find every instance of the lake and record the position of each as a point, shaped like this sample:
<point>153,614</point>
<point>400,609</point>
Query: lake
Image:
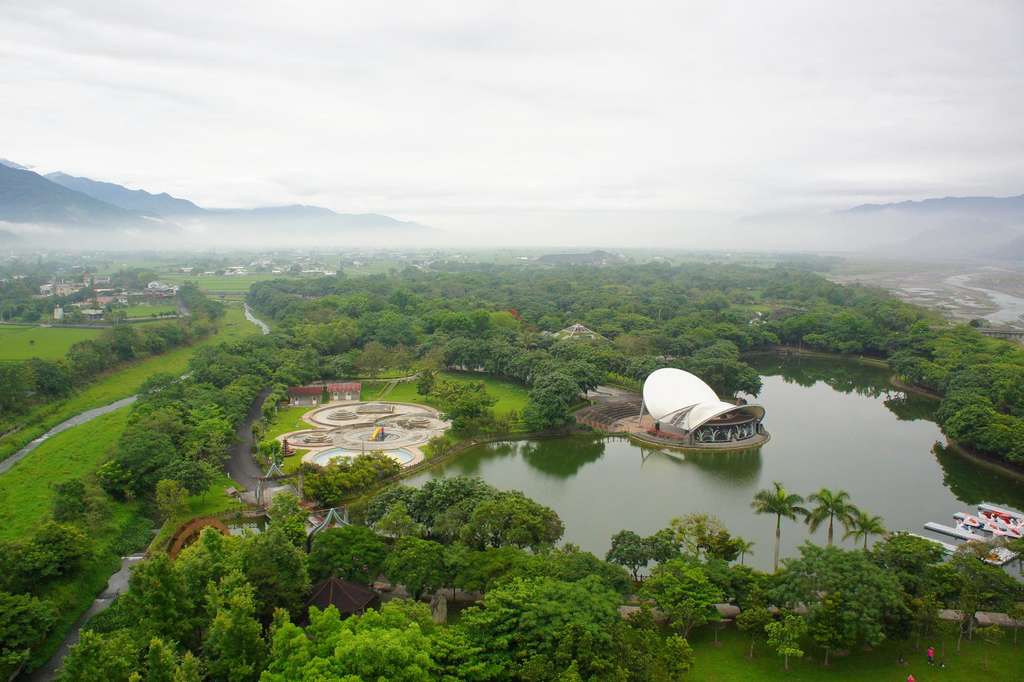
<point>833,423</point>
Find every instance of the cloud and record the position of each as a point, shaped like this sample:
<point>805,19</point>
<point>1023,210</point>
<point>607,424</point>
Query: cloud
<point>500,110</point>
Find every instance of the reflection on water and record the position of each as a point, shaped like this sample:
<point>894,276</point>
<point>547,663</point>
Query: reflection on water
<point>834,423</point>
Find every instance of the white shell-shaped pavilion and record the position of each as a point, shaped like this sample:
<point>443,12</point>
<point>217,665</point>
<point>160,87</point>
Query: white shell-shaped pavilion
<point>681,403</point>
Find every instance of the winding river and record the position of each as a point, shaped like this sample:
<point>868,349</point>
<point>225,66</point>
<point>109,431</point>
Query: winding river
<point>834,423</point>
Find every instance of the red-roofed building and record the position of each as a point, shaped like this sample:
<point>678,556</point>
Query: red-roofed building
<point>315,394</point>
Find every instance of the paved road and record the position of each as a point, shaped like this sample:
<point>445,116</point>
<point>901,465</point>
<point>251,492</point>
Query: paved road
<point>117,584</point>
<point>241,467</point>
<point>82,418</point>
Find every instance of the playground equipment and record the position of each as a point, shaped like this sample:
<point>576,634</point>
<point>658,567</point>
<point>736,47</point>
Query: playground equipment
<point>378,434</point>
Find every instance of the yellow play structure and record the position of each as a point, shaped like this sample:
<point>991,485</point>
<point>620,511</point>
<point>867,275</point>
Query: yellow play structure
<point>378,433</point>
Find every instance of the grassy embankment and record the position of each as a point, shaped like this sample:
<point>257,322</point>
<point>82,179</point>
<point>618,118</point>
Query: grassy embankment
<point>728,662</point>
<point>48,343</point>
<point>117,528</point>
<point>117,384</point>
<point>26,500</point>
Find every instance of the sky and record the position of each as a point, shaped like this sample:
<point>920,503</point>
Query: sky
<point>544,121</point>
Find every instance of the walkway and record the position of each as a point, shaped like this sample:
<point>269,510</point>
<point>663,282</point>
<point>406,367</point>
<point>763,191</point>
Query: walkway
<point>82,418</point>
<point>117,584</point>
<point>255,320</point>
<point>241,467</point>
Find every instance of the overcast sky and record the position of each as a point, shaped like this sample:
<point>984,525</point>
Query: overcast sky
<point>522,116</point>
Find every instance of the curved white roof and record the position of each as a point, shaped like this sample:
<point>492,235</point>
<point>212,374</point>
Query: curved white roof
<point>684,400</point>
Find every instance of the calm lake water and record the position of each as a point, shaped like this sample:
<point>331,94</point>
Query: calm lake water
<point>837,424</point>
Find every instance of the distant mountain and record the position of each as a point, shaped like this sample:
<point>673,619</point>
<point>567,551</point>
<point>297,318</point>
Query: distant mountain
<point>135,200</point>
<point>27,197</point>
<point>589,258</point>
<point>266,217</point>
<point>66,204</point>
<point>972,205</point>
<point>11,164</point>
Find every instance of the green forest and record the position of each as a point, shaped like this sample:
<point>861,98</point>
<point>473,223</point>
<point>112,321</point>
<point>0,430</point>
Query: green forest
<point>234,608</point>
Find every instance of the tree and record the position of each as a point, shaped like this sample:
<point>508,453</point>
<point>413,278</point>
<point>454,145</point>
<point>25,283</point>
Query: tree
<point>863,525</point>
<point>425,382</point>
<point>417,564</point>
<point>170,498</point>
<point>353,553</point>
<point>397,523</point>
<point>629,550</point>
<point>71,501</point>
<point>831,506</point>
<point>511,518</point>
<point>24,622</point>
<point>781,503</point>
<point>160,600</point>
<point>109,657</point>
<point>754,619</point>
<point>390,644</point>
<point>373,359</point>
<point>276,568</point>
<point>825,624</point>
<point>860,598</point>
<point>683,592</point>
<point>550,398</point>
<point>535,628</point>
<point>744,547</point>
<point>784,636</point>
<point>289,517</point>
<point>233,644</point>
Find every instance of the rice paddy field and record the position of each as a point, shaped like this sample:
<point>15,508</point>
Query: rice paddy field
<point>50,343</point>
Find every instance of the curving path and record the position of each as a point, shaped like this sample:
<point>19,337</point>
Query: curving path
<point>81,418</point>
<point>264,327</point>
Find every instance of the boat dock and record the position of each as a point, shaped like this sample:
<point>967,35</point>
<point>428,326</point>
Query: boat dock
<point>997,556</point>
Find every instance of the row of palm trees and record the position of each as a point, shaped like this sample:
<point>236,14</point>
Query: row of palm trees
<point>829,505</point>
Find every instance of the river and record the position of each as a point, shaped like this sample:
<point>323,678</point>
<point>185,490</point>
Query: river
<point>834,423</point>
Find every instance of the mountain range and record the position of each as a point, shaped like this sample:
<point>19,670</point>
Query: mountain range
<point>71,204</point>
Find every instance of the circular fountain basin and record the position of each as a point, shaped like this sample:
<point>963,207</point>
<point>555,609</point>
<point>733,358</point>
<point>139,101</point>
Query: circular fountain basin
<point>401,455</point>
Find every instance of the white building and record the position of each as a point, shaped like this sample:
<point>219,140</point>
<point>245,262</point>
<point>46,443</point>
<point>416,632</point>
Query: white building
<point>682,405</point>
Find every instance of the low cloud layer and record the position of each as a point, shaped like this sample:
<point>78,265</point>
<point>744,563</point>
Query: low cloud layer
<point>530,121</point>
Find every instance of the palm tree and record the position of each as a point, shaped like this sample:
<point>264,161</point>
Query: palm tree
<point>744,547</point>
<point>863,525</point>
<point>831,506</point>
<point>781,503</point>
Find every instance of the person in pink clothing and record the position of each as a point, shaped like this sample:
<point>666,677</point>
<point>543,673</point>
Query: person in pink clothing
<point>931,655</point>
<point>911,678</point>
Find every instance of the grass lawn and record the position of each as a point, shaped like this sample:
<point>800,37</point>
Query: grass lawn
<point>119,384</point>
<point>728,662</point>
<point>512,397</point>
<point>49,343</point>
<point>288,419</point>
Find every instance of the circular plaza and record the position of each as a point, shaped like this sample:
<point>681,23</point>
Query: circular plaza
<point>347,429</point>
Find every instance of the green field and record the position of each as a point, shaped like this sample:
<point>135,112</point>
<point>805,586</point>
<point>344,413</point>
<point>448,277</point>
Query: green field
<point>512,397</point>
<point>119,384</point>
<point>149,310</point>
<point>728,662</point>
<point>220,283</point>
<point>49,343</point>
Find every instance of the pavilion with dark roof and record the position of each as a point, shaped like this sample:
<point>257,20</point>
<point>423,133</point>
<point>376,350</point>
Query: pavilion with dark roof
<point>351,599</point>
